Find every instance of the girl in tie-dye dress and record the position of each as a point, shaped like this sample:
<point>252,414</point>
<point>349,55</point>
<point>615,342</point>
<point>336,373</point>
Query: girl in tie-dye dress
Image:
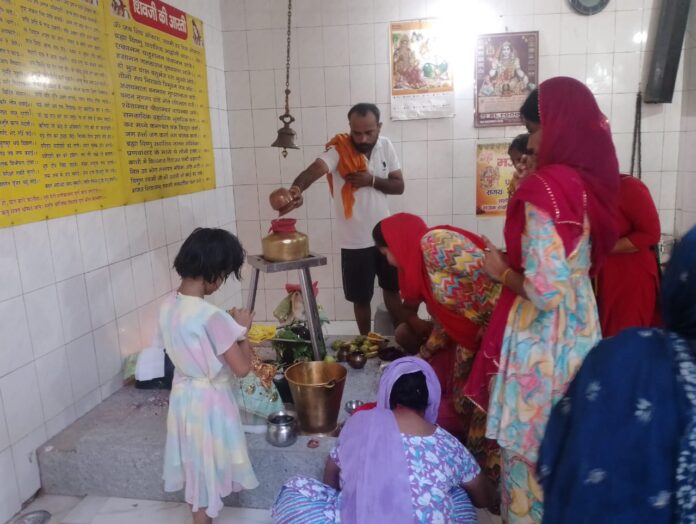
<point>206,450</point>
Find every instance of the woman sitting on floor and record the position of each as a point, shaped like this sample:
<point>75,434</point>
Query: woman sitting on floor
<point>392,463</point>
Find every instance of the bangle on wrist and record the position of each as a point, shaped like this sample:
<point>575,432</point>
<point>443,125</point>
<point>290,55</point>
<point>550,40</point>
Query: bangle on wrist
<point>296,187</point>
<point>504,275</point>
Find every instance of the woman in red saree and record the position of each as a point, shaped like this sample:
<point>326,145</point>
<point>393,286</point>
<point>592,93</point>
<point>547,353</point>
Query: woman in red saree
<point>628,283</point>
<point>559,224</point>
<point>443,268</point>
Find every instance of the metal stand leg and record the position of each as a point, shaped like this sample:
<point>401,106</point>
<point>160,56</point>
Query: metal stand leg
<point>312,313</point>
<point>251,298</point>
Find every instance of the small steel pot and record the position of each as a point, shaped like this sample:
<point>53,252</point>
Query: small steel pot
<point>281,428</point>
<point>352,405</point>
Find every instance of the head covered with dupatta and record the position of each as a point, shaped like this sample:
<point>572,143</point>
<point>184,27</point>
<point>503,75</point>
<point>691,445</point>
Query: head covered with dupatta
<point>374,469</point>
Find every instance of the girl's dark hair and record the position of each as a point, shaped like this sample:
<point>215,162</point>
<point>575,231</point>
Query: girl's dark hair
<point>411,391</point>
<point>530,108</point>
<point>519,144</point>
<point>210,253</point>
<point>378,237</point>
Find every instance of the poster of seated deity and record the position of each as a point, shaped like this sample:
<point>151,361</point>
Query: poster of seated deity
<point>507,69</point>
<point>421,72</point>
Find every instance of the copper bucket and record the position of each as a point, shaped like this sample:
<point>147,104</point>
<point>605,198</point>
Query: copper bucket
<point>317,390</point>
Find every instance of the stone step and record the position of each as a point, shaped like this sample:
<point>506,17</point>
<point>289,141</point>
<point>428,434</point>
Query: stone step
<point>117,449</point>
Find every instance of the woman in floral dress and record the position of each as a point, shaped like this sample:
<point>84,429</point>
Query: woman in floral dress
<point>392,464</point>
<point>559,226</point>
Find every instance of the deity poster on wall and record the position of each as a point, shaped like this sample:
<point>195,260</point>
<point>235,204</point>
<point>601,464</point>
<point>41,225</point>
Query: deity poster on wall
<point>421,75</point>
<point>494,171</point>
<point>507,69</point>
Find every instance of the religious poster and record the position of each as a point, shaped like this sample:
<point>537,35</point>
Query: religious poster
<point>421,74</point>
<point>507,69</point>
<point>494,171</point>
<point>87,87</point>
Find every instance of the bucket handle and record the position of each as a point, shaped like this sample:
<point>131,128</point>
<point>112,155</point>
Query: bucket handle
<point>329,385</point>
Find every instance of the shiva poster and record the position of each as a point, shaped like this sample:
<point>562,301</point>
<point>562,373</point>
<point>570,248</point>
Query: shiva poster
<point>494,171</point>
<point>421,74</point>
<point>507,69</point>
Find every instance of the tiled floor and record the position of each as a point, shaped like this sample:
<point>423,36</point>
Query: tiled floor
<point>112,510</point>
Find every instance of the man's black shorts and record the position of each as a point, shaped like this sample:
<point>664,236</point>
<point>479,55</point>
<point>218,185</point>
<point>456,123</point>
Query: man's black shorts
<point>359,268</point>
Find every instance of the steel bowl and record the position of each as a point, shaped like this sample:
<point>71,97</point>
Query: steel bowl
<point>282,428</point>
<point>352,405</point>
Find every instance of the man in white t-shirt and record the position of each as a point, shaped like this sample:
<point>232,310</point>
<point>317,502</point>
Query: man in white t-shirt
<point>361,261</point>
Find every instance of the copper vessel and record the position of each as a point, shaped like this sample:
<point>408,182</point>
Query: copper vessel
<point>317,390</point>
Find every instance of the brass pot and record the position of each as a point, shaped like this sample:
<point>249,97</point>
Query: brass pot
<point>283,247</point>
<point>317,389</point>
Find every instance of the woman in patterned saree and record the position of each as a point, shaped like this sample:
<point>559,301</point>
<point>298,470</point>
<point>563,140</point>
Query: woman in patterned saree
<point>621,445</point>
<point>559,224</point>
<point>443,267</point>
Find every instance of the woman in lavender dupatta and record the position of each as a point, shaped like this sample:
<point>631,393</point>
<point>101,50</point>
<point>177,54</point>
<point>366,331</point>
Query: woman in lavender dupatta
<point>392,464</point>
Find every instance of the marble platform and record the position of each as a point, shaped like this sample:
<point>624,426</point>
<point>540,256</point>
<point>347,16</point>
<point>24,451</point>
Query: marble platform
<point>116,450</point>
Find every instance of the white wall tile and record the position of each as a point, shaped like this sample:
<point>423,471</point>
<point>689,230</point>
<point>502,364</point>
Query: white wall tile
<point>241,128</point>
<point>92,240</point>
<point>628,25</point>
<point>263,88</point>
<point>236,58</point>
<point>334,40</point>
<point>74,308</point>
<point>116,234</point>
<point>440,159</point>
<point>83,365</point>
<point>65,247</point>
<point>26,464</point>
<point>15,344</point>
<point>142,279</point>
<point>464,196</point>
<point>362,83</point>
<point>314,126</point>
<point>44,320</point>
<point>155,224</point>
<point>34,255</point>
<point>4,436</point>
<point>238,90</point>
<point>88,402</point>
<point>573,34</point>
<point>361,11</point>
<point>600,32</point>
<point>414,160</point>
<point>310,47</point>
<point>10,502</point>
<point>626,72</point>
<point>266,126</point>
<point>107,352</point>
<point>361,40</point>
<point>100,296</point>
<point>122,287</point>
<point>312,92</point>
<point>22,403</point>
<point>172,224</point>
<point>337,86</point>
<point>233,16</point>
<point>54,382</point>
<point>137,229</point>
<point>10,282</point>
<point>161,282</point>
<point>334,12</point>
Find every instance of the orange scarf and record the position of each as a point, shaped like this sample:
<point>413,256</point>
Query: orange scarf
<point>349,161</point>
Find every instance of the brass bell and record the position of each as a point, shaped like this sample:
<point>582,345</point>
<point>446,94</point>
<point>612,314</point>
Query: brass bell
<point>286,135</point>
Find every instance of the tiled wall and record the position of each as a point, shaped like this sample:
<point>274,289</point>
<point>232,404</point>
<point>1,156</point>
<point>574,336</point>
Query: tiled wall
<point>340,56</point>
<point>79,293</point>
<point>686,183</point>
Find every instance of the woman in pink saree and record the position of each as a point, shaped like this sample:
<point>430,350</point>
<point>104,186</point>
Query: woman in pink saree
<point>559,227</point>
